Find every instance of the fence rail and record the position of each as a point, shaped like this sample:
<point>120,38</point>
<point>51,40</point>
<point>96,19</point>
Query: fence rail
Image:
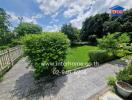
<point>8,57</point>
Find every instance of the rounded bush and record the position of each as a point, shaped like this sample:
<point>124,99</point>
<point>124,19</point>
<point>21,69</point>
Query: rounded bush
<point>46,51</point>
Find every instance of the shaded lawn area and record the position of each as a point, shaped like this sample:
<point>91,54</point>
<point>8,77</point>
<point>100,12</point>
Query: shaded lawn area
<point>77,56</point>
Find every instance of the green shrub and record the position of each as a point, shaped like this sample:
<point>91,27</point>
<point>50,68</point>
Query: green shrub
<point>130,35</point>
<point>114,43</point>
<point>100,56</point>
<point>129,48</point>
<point>111,81</point>
<point>15,42</point>
<point>45,51</point>
<point>6,38</point>
<point>1,77</point>
<point>125,74</point>
<point>27,28</point>
<point>3,47</point>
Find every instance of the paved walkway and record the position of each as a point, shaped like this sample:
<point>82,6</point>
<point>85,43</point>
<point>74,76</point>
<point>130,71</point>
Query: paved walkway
<point>18,84</point>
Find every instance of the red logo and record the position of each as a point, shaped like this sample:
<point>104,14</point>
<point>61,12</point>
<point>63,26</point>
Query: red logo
<point>117,11</point>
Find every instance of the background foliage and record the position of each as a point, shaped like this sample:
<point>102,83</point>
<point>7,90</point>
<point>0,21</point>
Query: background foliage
<point>101,24</point>
<point>71,32</point>
<point>114,43</point>
<point>27,28</point>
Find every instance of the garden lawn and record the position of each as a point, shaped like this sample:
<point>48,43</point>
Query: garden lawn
<point>78,57</point>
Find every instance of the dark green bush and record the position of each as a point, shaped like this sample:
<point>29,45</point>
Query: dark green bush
<point>46,51</point>
<point>100,56</point>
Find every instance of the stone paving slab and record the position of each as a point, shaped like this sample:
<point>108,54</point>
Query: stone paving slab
<point>19,84</point>
<point>109,96</point>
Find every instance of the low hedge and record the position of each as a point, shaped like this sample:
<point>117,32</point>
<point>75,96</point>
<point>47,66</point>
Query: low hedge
<point>100,56</point>
<point>74,44</point>
<point>45,51</point>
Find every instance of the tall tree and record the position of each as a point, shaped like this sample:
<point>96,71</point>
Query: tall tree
<point>71,32</point>
<point>94,25</point>
<point>4,22</point>
<point>5,36</point>
<point>126,21</point>
<point>127,27</point>
<point>27,28</point>
<point>111,26</point>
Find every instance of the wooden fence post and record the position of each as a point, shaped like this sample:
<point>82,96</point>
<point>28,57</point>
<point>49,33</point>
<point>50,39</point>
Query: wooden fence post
<point>0,67</point>
<point>9,55</point>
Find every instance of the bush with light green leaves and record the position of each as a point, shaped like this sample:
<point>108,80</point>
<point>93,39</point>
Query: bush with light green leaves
<point>46,51</point>
<point>115,44</point>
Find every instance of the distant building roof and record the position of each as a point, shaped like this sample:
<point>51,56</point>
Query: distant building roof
<point>117,7</point>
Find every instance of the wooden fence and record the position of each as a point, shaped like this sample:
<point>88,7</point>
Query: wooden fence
<point>9,57</point>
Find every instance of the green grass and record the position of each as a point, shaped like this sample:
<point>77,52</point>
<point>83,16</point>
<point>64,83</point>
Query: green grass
<point>1,78</point>
<point>78,57</point>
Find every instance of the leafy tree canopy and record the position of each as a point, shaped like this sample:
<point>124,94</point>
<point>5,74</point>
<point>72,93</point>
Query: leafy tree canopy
<point>94,25</point>
<point>71,32</point>
<point>4,23</point>
<point>27,28</point>
<point>5,35</point>
<point>111,26</point>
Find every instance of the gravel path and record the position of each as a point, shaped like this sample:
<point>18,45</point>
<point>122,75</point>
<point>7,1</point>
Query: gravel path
<point>19,84</point>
